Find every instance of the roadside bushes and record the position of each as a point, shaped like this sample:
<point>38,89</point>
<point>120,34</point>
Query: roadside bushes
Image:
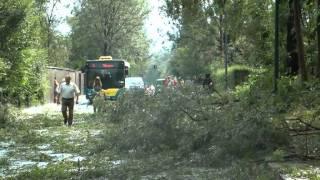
<point>3,115</point>
<point>6,115</point>
<point>237,75</point>
<point>300,116</point>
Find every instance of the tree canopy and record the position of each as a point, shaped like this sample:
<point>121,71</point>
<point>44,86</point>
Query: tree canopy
<point>22,55</point>
<point>105,27</point>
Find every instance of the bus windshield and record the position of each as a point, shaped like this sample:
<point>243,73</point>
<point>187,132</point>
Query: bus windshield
<point>112,76</point>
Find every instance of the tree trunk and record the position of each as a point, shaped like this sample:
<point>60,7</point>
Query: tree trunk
<point>105,43</point>
<point>300,46</point>
<point>225,43</point>
<point>105,48</point>
<point>318,39</point>
<point>292,64</point>
<point>276,47</point>
<point>221,35</point>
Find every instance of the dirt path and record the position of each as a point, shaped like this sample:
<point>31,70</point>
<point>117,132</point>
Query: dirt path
<point>52,108</point>
<point>38,139</point>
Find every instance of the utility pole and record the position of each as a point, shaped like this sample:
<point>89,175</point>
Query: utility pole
<point>276,48</point>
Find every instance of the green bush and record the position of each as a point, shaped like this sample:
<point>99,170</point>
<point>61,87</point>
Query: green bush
<point>237,75</point>
<point>3,115</point>
<point>7,114</point>
<point>57,171</point>
<point>4,162</point>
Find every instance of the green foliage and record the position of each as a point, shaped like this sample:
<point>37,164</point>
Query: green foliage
<point>3,68</point>
<point>242,31</point>
<point>21,54</point>
<point>278,155</point>
<point>157,67</point>
<point>3,115</point>
<point>7,114</point>
<point>202,26</point>
<point>4,162</point>
<point>191,119</point>
<point>158,133</point>
<point>59,52</point>
<point>59,171</point>
<point>240,77</point>
<point>293,110</point>
<point>110,28</point>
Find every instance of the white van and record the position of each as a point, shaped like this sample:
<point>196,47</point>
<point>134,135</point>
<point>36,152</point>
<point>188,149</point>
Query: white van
<point>134,83</point>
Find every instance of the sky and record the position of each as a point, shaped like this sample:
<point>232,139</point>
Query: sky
<point>62,11</point>
<point>156,26</point>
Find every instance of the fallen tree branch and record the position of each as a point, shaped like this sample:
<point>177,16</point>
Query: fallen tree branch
<point>304,133</point>
<point>304,123</point>
<point>190,116</point>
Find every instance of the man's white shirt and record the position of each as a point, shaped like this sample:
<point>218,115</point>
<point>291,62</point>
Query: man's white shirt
<point>68,91</point>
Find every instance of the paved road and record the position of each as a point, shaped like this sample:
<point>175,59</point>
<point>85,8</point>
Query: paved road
<point>82,107</point>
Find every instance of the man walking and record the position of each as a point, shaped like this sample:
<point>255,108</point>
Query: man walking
<point>68,90</point>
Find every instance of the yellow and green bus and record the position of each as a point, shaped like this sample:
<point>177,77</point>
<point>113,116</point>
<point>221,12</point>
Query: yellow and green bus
<point>112,73</point>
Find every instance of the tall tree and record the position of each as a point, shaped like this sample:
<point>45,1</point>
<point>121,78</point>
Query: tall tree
<point>21,50</point>
<point>293,59</point>
<point>300,44</point>
<point>51,19</point>
<point>248,26</point>
<point>197,38</point>
<point>109,27</point>
<point>318,37</point>
<point>109,23</point>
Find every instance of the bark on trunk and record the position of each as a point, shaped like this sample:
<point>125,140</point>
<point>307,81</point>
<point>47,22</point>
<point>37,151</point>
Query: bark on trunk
<point>106,45</point>
<point>318,39</point>
<point>292,64</point>
<point>221,35</point>
<point>300,46</point>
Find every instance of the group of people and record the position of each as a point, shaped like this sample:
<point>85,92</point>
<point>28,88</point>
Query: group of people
<point>150,90</point>
<point>68,91</point>
<point>170,81</point>
<point>173,82</point>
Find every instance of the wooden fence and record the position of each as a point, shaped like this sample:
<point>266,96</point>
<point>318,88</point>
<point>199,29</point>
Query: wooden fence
<point>59,73</point>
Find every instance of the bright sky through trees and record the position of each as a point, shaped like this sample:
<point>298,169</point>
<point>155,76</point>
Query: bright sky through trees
<point>62,11</point>
<point>157,25</point>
